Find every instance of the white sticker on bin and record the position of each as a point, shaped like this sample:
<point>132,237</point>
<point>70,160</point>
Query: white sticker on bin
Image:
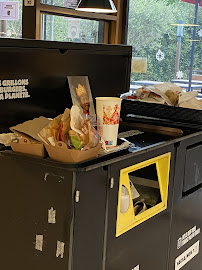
<point>60,249</point>
<point>51,216</point>
<point>39,242</point>
<point>187,236</point>
<point>187,256</point>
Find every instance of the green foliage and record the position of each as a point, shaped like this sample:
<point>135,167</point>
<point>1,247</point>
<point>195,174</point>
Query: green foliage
<point>171,2</point>
<point>150,29</point>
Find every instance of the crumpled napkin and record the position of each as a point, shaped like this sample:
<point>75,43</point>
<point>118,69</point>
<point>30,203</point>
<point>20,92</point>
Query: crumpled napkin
<point>124,145</point>
<point>6,138</point>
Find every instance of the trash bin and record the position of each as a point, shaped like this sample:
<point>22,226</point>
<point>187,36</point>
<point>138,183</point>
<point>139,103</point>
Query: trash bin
<point>187,200</point>
<point>112,212</point>
<point>67,216</point>
<point>135,240</point>
<point>53,215</point>
<point>185,220</point>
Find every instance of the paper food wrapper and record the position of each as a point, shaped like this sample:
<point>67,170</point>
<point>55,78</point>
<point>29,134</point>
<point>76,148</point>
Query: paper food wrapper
<point>30,142</point>
<point>167,93</point>
<point>152,100</point>
<point>187,96</point>
<point>163,93</point>
<point>50,133</point>
<point>163,87</point>
<point>6,138</point>
<point>192,104</point>
<point>58,137</point>
<point>61,153</point>
<point>31,128</point>
<point>56,129</point>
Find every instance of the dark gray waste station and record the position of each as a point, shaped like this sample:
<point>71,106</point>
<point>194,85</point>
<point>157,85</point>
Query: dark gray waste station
<point>187,202</point>
<point>70,216</point>
<point>33,186</point>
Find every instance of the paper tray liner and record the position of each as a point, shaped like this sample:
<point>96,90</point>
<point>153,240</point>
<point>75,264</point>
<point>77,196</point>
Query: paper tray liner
<point>36,149</point>
<point>71,156</point>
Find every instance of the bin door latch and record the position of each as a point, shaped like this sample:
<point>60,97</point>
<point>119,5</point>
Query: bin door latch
<point>77,196</point>
<point>112,183</point>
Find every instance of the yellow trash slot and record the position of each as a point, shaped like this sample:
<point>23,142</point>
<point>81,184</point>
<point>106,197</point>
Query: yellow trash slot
<point>143,192</point>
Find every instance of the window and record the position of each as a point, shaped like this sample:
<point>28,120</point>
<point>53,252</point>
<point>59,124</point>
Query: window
<point>70,29</point>
<point>58,20</point>
<point>153,36</point>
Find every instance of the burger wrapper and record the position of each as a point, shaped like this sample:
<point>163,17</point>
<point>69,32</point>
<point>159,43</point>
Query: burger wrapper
<point>64,125</point>
<point>50,133</point>
<point>170,94</point>
<point>56,135</point>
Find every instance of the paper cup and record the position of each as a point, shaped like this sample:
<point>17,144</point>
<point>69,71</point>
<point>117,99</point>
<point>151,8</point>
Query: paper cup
<point>108,114</point>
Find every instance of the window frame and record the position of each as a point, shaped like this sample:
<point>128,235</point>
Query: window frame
<point>114,25</point>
